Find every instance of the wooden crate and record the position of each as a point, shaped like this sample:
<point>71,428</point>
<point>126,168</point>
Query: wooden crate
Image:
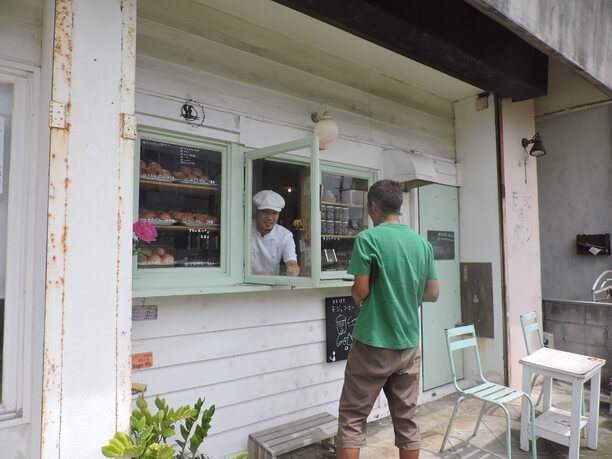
<point>276,441</point>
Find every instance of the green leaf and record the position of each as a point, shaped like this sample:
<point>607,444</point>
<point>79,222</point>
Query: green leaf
<point>111,451</point>
<point>168,432</point>
<point>156,451</point>
<point>241,456</point>
<point>121,446</point>
<point>185,431</point>
<point>141,403</point>
<point>145,438</point>
<point>160,403</point>
<point>124,439</point>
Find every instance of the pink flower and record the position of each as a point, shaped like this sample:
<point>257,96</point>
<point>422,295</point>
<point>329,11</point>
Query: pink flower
<point>145,231</point>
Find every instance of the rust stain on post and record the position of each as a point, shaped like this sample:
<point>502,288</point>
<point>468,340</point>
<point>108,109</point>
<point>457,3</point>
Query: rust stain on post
<point>124,216</point>
<point>57,230</point>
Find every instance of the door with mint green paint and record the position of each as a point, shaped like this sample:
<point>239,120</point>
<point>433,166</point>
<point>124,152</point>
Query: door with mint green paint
<point>439,223</point>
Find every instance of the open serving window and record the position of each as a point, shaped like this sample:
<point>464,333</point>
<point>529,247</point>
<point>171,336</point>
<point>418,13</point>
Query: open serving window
<point>198,194</point>
<point>344,214</point>
<point>279,240</point>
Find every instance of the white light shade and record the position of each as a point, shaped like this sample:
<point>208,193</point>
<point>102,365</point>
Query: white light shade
<point>326,130</point>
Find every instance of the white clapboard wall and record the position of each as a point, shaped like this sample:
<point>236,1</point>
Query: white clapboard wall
<point>259,357</point>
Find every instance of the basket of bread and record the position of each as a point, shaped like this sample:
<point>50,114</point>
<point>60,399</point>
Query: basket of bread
<point>156,217</point>
<point>157,256</point>
<point>194,219</point>
<point>152,170</point>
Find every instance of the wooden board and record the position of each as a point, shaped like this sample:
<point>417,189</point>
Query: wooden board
<point>272,442</point>
<point>477,297</point>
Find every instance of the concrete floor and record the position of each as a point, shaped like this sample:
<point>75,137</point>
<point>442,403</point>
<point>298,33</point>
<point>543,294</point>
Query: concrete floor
<point>433,418</point>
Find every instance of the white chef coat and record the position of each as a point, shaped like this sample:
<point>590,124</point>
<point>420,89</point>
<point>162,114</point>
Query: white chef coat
<point>268,251</point>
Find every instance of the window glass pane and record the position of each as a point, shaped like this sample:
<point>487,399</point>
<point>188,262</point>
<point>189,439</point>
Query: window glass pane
<point>344,213</point>
<point>280,228</point>
<point>180,195</point>
<point>6,110</point>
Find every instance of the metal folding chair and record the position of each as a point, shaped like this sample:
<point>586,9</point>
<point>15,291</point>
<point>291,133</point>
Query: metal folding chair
<point>485,391</point>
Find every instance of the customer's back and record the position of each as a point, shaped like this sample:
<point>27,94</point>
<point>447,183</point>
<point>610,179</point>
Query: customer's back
<point>404,259</point>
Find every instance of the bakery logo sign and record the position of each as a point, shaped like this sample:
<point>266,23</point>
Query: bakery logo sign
<point>193,112</point>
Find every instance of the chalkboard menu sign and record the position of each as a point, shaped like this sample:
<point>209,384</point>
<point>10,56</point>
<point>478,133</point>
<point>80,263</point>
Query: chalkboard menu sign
<point>340,316</point>
<point>443,243</point>
<point>172,156</point>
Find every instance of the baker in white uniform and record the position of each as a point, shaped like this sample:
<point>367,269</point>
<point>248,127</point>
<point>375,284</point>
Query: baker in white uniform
<point>271,242</point>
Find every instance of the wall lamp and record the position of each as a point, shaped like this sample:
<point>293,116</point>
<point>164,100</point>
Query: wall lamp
<point>536,151</point>
<point>325,127</point>
<point>538,147</point>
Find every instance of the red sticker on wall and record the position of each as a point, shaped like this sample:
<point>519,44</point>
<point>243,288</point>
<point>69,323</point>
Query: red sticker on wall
<point>142,360</point>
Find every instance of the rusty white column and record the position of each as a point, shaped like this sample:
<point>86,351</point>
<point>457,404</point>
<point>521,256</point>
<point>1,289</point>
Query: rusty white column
<point>86,386</point>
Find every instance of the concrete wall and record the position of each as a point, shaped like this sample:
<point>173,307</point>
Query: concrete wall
<point>584,328</point>
<point>575,196</point>
<point>568,91</point>
<point>577,30</point>
<point>479,225</point>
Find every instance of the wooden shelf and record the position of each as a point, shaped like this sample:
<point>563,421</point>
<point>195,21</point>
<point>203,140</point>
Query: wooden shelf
<point>171,186</point>
<point>339,204</point>
<point>339,237</point>
<point>185,228</point>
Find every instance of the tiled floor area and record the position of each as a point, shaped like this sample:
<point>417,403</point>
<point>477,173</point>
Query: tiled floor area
<point>490,442</point>
<point>433,419</point>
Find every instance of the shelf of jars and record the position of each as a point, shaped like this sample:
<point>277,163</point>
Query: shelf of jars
<point>341,204</point>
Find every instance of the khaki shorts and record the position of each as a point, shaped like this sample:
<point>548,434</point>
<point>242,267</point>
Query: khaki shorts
<point>368,370</point>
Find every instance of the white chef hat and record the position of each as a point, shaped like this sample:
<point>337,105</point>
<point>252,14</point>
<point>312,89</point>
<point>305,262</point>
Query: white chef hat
<point>268,199</point>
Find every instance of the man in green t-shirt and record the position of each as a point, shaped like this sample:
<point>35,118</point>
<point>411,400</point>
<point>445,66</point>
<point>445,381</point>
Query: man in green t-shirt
<point>394,272</point>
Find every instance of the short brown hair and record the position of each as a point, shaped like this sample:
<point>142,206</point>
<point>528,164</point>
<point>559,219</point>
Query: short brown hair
<point>388,195</point>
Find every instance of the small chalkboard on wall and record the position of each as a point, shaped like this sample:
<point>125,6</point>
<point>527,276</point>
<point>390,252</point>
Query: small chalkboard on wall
<point>443,243</point>
<point>340,317</point>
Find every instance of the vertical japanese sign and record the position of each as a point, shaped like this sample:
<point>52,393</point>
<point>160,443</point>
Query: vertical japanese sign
<point>340,316</point>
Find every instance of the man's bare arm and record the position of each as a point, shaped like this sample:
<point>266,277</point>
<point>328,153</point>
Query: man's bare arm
<point>293,269</point>
<point>432,290</point>
<point>361,288</point>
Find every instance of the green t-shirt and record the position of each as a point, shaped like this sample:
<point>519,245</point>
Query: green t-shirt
<point>389,315</point>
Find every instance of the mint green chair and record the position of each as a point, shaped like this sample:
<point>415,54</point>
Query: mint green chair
<point>534,327</point>
<point>527,329</point>
<point>485,391</point>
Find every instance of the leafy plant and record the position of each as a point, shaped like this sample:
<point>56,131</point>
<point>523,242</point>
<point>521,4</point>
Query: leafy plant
<point>195,439</point>
<point>149,433</point>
